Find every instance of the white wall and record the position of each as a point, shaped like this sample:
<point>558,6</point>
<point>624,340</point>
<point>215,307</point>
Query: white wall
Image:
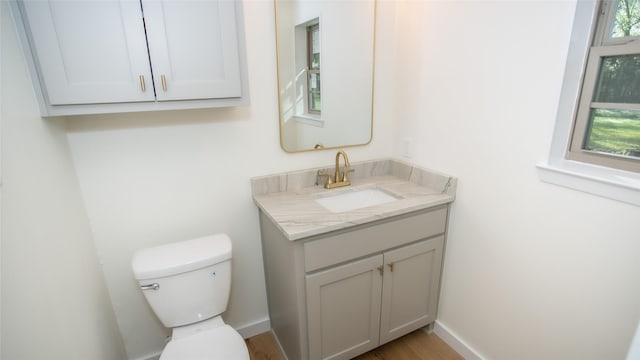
<point>54,299</point>
<point>532,270</point>
<point>154,178</point>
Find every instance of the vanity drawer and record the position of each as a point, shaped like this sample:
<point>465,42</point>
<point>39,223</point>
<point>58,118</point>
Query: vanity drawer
<point>346,246</point>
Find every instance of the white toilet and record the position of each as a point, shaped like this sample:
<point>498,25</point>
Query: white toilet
<point>187,285</point>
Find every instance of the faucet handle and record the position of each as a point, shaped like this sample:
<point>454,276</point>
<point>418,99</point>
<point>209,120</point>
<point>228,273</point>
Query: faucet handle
<point>345,172</point>
<point>321,174</point>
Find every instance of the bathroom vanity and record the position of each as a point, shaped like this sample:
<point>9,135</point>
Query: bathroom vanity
<point>350,269</point>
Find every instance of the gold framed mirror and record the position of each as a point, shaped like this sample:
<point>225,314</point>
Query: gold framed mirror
<point>325,54</point>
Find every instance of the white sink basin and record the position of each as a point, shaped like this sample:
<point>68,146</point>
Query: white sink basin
<point>347,200</point>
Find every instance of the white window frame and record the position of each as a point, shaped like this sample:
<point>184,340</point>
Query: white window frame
<point>599,180</point>
<point>602,46</point>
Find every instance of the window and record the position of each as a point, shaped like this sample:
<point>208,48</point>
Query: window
<point>314,103</point>
<point>606,130</point>
<point>588,106</point>
<point>307,108</point>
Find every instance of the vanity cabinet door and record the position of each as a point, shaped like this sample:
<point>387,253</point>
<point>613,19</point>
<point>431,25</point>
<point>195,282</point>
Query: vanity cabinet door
<point>90,52</point>
<point>411,287</point>
<point>193,47</point>
<point>343,309</point>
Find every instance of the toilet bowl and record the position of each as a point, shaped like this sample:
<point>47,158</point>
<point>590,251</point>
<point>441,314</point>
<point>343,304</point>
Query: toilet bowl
<point>187,284</point>
<point>219,342</point>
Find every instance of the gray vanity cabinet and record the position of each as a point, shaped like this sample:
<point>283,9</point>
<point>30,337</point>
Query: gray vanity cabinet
<point>356,307</point>
<point>340,294</point>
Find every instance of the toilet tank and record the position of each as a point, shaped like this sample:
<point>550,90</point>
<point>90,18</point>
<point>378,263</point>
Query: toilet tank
<point>188,281</point>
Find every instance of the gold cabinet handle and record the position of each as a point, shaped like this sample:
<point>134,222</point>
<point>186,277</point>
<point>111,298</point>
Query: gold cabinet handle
<point>390,267</point>
<point>164,82</point>
<point>381,270</point>
<point>143,87</point>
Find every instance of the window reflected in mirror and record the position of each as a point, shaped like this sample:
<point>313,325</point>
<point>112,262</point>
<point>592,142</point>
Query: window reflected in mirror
<point>314,103</point>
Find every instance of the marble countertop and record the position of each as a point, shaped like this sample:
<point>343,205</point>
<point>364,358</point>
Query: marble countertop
<point>288,200</point>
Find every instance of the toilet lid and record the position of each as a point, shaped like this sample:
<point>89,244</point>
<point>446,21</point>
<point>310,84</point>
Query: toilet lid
<point>221,343</point>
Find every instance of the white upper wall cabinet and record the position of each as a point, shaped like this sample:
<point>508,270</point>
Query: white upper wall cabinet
<point>130,55</point>
<point>90,52</point>
<point>187,66</point>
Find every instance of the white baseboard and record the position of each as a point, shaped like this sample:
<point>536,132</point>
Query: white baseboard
<point>453,340</point>
<point>149,357</point>
<point>255,328</point>
<point>442,331</point>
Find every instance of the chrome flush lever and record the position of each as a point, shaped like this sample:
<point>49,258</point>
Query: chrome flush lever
<point>154,286</point>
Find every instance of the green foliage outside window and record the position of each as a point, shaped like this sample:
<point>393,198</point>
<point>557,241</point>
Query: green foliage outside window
<point>627,19</point>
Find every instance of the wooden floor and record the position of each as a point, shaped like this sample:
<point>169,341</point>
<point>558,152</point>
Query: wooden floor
<point>417,345</point>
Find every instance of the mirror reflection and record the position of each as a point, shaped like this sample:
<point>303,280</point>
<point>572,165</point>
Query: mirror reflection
<point>325,72</point>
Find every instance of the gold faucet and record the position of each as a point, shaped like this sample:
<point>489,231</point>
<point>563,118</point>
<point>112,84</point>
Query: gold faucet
<point>339,179</point>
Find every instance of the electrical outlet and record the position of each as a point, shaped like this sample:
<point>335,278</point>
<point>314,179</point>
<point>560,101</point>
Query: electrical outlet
<point>407,147</point>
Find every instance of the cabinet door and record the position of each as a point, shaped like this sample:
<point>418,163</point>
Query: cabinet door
<point>90,51</point>
<point>411,286</point>
<point>343,309</point>
<point>193,46</point>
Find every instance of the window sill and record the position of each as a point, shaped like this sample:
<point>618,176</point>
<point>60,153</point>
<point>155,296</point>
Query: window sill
<point>313,120</point>
<point>608,183</point>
